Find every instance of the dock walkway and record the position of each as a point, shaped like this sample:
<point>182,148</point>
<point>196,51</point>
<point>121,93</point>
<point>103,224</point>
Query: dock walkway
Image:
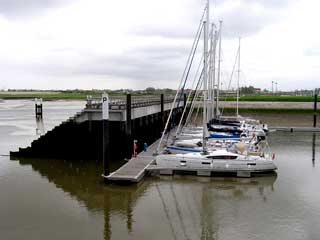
<point>135,169</point>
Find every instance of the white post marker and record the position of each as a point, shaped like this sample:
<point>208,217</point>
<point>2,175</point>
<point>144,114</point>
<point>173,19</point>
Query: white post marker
<point>105,106</point>
<point>105,130</point>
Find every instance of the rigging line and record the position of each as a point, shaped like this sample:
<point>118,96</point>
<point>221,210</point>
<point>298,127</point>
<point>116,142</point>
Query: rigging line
<point>175,98</point>
<point>194,52</point>
<point>166,210</point>
<point>199,105</point>
<point>184,230</point>
<point>191,211</point>
<point>189,95</point>
<point>190,64</point>
<point>233,69</point>
<point>195,97</point>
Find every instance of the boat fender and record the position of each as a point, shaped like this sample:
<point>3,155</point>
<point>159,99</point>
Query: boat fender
<point>273,156</point>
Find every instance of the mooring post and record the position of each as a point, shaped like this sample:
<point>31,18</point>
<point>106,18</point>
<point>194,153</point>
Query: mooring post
<point>129,127</point>
<point>38,108</point>
<point>315,108</point>
<point>162,110</point>
<point>105,130</point>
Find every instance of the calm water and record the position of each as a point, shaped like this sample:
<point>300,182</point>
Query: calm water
<point>56,199</point>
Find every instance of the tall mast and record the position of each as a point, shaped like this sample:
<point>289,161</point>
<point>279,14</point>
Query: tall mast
<point>214,73</point>
<point>209,110</point>
<point>219,70</point>
<point>238,86</point>
<point>205,78</point>
<point>209,49</point>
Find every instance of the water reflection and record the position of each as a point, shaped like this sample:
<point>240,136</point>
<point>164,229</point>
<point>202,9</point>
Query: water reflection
<point>39,126</point>
<point>80,180</point>
<point>191,205</point>
<point>313,149</point>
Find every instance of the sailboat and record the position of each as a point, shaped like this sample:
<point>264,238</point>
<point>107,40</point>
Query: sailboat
<point>205,157</point>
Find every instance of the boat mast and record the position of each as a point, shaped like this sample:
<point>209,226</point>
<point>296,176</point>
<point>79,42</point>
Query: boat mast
<point>238,78</point>
<point>214,112</point>
<point>219,71</point>
<point>205,78</point>
<point>211,73</point>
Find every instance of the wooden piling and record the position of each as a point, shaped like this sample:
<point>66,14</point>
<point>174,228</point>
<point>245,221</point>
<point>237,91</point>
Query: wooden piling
<point>38,108</point>
<point>315,109</point>
<point>129,127</point>
<point>162,110</point>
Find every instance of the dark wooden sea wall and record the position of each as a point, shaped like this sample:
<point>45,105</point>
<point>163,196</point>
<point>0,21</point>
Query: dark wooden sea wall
<point>72,140</point>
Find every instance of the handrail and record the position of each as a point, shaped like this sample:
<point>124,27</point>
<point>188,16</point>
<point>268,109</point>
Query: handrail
<point>119,104</point>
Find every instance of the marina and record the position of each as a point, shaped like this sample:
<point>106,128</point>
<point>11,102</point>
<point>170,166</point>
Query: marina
<point>163,127</point>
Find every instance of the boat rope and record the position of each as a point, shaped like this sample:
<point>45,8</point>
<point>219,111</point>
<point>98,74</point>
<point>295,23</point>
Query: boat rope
<point>230,80</point>
<point>189,95</point>
<point>184,229</point>
<point>188,71</point>
<point>194,102</point>
<point>180,84</point>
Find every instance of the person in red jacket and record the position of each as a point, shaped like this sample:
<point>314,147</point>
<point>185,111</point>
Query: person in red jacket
<point>135,148</point>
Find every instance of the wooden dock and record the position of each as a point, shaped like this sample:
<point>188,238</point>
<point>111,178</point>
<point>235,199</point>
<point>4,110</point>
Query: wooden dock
<point>135,169</point>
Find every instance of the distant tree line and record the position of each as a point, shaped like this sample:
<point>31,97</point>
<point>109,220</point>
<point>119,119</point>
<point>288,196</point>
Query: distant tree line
<point>246,90</point>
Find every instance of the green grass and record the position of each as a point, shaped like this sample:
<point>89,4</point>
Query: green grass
<point>275,111</point>
<point>261,98</point>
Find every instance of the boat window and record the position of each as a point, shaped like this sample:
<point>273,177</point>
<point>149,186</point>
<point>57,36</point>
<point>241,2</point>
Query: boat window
<point>251,164</point>
<point>222,157</point>
<point>206,163</point>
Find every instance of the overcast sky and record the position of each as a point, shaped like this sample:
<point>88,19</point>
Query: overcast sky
<point>63,44</point>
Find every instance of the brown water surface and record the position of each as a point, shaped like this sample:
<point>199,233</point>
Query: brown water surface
<point>59,199</point>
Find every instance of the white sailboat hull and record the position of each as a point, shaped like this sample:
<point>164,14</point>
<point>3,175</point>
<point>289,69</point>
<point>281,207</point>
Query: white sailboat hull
<point>195,162</point>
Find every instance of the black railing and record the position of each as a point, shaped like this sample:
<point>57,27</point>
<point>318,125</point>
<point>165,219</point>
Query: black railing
<point>121,104</point>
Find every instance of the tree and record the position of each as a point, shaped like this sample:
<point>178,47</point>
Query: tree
<point>150,90</point>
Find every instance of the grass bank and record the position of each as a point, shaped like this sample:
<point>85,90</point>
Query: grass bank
<point>271,111</point>
<point>260,98</point>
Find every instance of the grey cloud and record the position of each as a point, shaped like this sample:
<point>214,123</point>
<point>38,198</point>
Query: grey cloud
<point>242,19</point>
<point>142,64</point>
<point>243,22</point>
<point>262,3</point>
<point>251,16</point>
<point>165,31</point>
<point>26,8</point>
